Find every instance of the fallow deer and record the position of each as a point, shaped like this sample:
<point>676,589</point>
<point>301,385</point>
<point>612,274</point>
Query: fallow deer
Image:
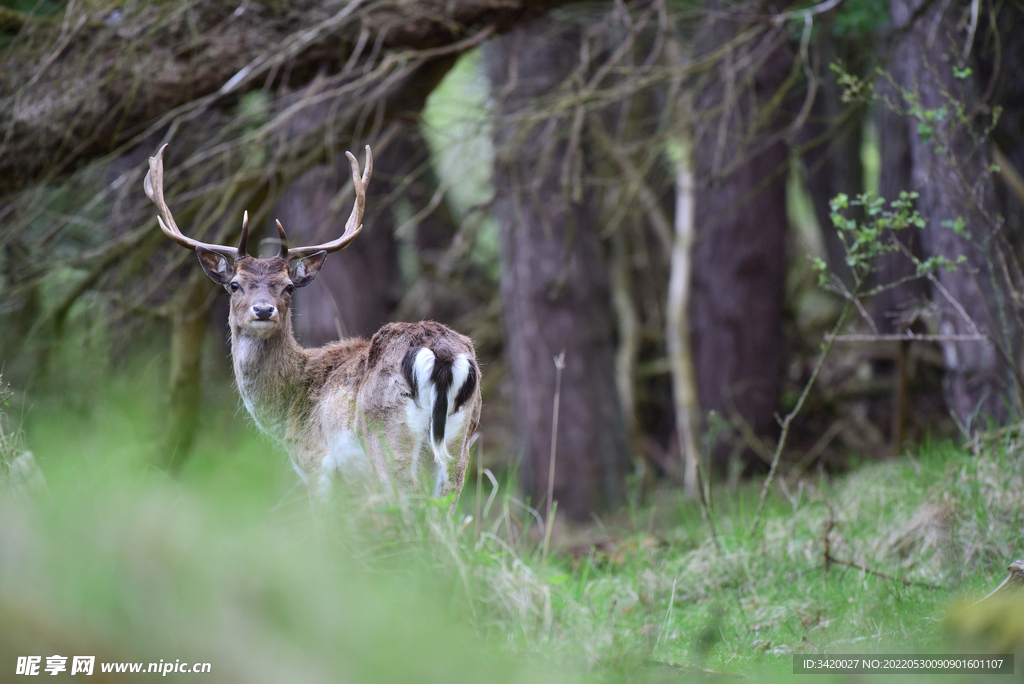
<point>352,408</point>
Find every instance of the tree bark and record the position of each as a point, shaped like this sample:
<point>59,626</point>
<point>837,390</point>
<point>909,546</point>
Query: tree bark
<point>739,258</point>
<point>834,165</point>
<point>358,293</point>
<point>895,309</point>
<point>91,82</point>
<point>362,290</point>
<point>951,173</point>
<point>1003,83</point>
<point>889,307</point>
<point>554,284</point>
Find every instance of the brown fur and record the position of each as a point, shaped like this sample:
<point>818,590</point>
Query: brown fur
<point>300,397</point>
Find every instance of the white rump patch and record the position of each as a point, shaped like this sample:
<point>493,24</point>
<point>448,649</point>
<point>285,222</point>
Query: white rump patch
<point>460,371</point>
<point>417,413</point>
<point>422,368</point>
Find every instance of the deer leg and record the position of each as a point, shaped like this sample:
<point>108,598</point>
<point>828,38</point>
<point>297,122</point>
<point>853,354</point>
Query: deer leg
<point>458,479</point>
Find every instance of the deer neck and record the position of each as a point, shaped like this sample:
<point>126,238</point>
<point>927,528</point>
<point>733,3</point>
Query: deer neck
<point>269,373</point>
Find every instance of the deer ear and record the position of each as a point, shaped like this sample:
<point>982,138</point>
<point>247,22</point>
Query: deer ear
<point>303,271</point>
<point>215,265</point>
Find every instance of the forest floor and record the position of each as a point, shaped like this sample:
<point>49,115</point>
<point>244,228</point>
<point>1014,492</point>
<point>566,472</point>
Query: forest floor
<point>227,564</point>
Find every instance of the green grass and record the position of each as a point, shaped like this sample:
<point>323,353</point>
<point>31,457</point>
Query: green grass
<point>228,564</point>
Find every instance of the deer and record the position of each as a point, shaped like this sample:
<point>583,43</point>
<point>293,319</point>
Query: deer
<point>355,409</point>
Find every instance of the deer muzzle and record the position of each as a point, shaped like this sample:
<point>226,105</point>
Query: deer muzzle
<point>263,312</point>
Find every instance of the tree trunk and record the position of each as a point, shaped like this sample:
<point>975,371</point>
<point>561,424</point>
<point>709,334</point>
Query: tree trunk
<point>677,319</point>
<point>739,258</point>
<point>834,165</point>
<point>896,308</point>
<point>188,330</point>
<point>951,172</point>
<point>358,293</point>
<point>1003,82</point>
<point>889,307</point>
<point>554,285</point>
<point>361,292</point>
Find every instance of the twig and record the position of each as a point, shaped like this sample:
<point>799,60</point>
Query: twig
<point>826,347</point>
<point>830,559</point>
<point>702,672</point>
<point>812,82</point>
<point>911,337</point>
<point>1000,348</point>
<point>805,13</point>
<point>830,522</point>
<point>559,365</point>
<point>1015,580</point>
<point>969,43</point>
<point>637,186</point>
<point>878,573</point>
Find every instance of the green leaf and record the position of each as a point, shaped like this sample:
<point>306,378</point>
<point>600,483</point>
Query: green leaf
<point>958,225</point>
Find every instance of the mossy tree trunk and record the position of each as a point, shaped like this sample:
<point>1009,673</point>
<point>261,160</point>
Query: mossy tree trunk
<point>952,172</point>
<point>739,259</point>
<point>554,284</point>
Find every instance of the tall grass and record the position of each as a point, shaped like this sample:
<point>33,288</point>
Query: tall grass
<point>224,566</point>
<point>229,564</point>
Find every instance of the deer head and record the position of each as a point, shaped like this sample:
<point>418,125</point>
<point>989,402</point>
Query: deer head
<point>260,287</point>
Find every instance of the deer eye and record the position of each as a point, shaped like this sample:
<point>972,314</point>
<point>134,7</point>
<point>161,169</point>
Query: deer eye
<point>289,288</point>
<point>234,286</point>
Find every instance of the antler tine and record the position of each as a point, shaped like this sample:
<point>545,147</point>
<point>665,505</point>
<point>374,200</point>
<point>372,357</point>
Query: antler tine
<point>353,225</point>
<point>154,187</point>
<point>242,242</point>
<point>284,241</point>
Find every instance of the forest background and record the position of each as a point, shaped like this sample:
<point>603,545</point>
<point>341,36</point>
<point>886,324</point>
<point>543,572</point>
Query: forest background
<point>768,237</point>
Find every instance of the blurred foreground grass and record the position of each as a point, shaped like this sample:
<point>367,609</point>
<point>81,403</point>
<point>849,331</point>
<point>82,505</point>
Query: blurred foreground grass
<point>227,565</point>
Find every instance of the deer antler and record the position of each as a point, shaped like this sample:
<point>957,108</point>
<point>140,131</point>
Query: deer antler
<point>154,186</point>
<point>352,227</point>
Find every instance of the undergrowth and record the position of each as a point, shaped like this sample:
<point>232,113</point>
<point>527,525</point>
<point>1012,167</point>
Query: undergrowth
<point>229,564</point>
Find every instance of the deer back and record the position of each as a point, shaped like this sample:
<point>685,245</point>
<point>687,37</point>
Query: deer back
<point>411,385</point>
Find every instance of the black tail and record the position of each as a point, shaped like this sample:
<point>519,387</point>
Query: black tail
<point>441,378</point>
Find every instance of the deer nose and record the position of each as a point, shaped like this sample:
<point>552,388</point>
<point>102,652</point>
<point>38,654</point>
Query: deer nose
<point>263,312</point>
